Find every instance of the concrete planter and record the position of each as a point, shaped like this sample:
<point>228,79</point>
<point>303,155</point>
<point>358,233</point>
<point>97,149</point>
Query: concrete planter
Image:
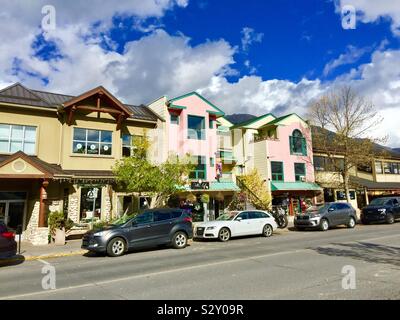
<point>59,239</point>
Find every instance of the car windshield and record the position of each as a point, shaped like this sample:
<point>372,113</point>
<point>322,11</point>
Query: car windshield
<point>318,209</point>
<point>227,216</point>
<point>379,202</point>
<point>122,220</point>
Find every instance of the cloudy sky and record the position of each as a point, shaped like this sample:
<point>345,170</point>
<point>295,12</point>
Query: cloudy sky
<point>246,56</point>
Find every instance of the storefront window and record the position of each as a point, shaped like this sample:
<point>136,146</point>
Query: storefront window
<point>341,195</point>
<point>93,142</point>
<point>86,210</point>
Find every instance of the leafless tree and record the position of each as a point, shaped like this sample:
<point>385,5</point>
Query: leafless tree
<point>343,122</point>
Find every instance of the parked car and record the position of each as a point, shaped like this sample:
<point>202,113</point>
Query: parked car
<point>150,228</point>
<point>8,245</point>
<point>237,223</point>
<point>328,215</point>
<point>385,209</point>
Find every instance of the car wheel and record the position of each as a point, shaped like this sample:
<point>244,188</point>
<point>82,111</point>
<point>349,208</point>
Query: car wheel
<point>324,225</point>
<point>390,219</point>
<point>352,223</point>
<point>267,230</point>
<point>116,247</point>
<point>224,234</point>
<point>180,240</point>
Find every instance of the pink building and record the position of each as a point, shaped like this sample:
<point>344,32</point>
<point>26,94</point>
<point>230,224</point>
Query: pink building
<point>193,125</point>
<point>281,150</point>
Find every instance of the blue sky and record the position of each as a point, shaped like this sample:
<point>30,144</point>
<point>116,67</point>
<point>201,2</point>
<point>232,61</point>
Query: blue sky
<point>245,56</point>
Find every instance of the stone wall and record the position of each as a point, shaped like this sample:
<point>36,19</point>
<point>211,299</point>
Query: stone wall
<point>107,204</point>
<point>34,234</point>
<point>73,208</point>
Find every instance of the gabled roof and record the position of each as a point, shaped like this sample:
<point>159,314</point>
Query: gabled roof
<point>96,91</point>
<point>278,120</point>
<point>252,121</point>
<point>48,170</point>
<point>218,112</point>
<point>19,94</point>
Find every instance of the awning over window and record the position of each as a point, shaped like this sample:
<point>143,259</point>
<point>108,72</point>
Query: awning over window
<point>217,186</point>
<point>372,185</point>
<point>295,186</point>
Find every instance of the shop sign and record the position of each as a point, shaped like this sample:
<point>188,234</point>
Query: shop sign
<point>197,185</point>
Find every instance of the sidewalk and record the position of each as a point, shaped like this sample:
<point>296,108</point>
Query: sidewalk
<point>30,252</point>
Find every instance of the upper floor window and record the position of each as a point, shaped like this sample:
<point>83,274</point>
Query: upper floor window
<point>93,142</point>
<point>211,123</point>
<point>277,171</point>
<point>199,171</point>
<point>299,171</point>
<point>328,164</point>
<point>378,167</point>
<point>298,144</point>
<point>15,138</point>
<point>128,144</point>
<point>391,167</point>
<point>196,128</point>
<point>174,119</point>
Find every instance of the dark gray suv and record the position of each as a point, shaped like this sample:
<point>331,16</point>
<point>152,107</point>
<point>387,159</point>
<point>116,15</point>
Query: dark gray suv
<point>328,215</point>
<point>150,228</point>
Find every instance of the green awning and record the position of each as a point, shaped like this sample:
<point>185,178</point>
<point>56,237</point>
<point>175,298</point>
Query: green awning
<point>295,186</point>
<point>217,186</point>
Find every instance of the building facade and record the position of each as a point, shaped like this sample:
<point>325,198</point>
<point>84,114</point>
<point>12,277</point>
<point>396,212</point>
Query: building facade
<point>194,126</point>
<point>55,149</point>
<point>281,151</point>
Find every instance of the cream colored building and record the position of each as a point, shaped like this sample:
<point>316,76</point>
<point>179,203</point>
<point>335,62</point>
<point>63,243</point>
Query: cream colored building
<point>55,149</point>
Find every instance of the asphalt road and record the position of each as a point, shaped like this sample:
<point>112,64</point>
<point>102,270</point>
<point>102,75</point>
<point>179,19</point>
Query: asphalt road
<point>289,265</point>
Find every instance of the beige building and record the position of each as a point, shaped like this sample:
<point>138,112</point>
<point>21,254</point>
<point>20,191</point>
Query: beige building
<point>55,149</point>
<point>381,178</point>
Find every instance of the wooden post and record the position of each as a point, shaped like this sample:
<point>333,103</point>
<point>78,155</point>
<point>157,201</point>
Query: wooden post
<point>42,206</point>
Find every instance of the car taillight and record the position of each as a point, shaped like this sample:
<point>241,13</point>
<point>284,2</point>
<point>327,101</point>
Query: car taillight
<point>7,235</point>
<point>187,219</point>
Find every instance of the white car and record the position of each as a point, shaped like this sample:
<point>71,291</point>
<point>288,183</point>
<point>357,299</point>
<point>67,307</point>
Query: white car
<point>236,224</point>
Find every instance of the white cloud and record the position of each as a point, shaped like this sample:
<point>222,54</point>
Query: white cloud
<point>372,10</point>
<point>249,36</point>
<point>160,63</point>
<point>352,55</point>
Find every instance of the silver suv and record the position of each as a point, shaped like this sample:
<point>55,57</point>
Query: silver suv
<point>328,215</point>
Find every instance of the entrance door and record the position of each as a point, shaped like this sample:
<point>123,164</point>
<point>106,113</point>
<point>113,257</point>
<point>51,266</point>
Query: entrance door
<point>12,213</point>
<point>15,214</point>
<point>3,207</point>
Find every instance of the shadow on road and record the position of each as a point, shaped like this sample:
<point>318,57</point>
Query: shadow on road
<point>16,260</point>
<point>365,251</point>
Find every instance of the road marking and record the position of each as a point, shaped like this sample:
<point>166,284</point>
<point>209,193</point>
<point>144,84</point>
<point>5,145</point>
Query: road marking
<point>182,269</point>
<point>152,274</point>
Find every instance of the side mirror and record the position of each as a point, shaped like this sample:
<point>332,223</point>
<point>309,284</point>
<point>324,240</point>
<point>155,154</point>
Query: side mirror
<point>239,219</point>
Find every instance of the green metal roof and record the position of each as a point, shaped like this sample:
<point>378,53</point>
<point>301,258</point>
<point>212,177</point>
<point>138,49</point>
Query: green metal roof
<point>277,120</point>
<point>294,186</point>
<point>251,121</point>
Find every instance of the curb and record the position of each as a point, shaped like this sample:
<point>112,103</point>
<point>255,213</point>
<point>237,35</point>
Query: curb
<point>44,257</point>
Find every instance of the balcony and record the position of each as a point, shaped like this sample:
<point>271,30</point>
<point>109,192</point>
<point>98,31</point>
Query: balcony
<point>226,156</point>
